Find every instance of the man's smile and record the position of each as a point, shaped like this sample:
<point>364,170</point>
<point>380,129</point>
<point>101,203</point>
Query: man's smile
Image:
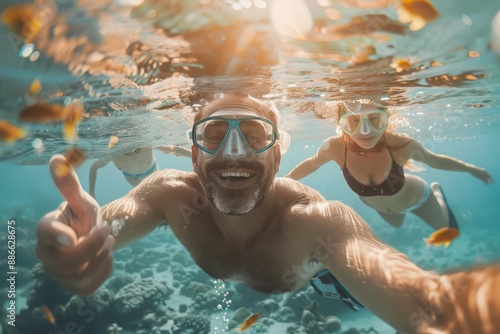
<point>232,179</point>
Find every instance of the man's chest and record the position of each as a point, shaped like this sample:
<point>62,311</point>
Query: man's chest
<point>268,263</point>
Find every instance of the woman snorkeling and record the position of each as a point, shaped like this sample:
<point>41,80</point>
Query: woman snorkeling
<point>372,157</point>
<point>135,165</point>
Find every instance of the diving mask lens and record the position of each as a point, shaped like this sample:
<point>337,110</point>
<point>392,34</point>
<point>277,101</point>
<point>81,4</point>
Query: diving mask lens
<point>351,123</point>
<point>210,133</point>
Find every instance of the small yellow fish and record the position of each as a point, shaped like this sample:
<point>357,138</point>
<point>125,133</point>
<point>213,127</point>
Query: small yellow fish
<point>420,8</point>
<point>249,322</point>
<point>35,87</point>
<point>75,158</point>
<point>74,115</point>
<point>43,113</point>
<point>10,133</point>
<point>112,141</point>
<point>403,64</point>
<point>442,237</point>
<point>22,20</point>
<point>48,314</point>
<point>417,12</point>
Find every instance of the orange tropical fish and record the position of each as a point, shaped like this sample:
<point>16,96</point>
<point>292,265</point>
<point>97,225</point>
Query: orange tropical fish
<point>112,141</point>
<point>74,115</point>
<point>22,20</point>
<point>75,158</point>
<point>420,8</point>
<point>403,64</point>
<point>43,113</point>
<point>249,322</point>
<point>417,12</point>
<point>35,87</point>
<point>442,237</point>
<point>10,133</point>
<point>48,314</point>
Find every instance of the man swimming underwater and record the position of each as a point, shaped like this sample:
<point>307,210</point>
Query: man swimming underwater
<point>241,223</point>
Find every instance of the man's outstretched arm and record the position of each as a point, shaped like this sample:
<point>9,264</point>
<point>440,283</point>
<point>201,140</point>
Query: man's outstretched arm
<point>407,297</point>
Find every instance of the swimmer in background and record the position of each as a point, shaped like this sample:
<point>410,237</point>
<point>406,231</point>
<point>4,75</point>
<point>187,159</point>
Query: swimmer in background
<point>371,158</point>
<point>135,165</point>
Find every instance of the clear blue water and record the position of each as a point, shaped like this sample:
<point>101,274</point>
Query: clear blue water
<point>447,113</point>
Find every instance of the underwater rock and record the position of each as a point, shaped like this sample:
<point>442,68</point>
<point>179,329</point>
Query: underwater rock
<point>136,266</point>
<point>166,328</point>
<point>182,258</point>
<point>292,329</point>
<point>307,316</point>
<point>191,324</point>
<point>147,273</point>
<point>313,307</point>
<point>162,266</point>
<point>123,254</point>
<point>231,324</point>
<point>206,301</point>
<point>267,306</point>
<point>193,289</point>
<point>139,295</point>
<point>241,314</point>
<point>297,301</point>
<point>114,329</point>
<point>149,320</point>
<point>312,327</point>
<point>45,290</point>
<point>332,324</point>
<point>117,282</point>
<point>99,301</point>
<point>286,314</point>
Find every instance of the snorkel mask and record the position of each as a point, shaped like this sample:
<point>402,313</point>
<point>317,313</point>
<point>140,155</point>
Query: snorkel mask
<point>356,119</point>
<point>236,132</point>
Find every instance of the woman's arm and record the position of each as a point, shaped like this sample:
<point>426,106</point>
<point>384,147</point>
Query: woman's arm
<point>176,149</point>
<point>417,152</point>
<point>310,165</point>
<point>99,163</point>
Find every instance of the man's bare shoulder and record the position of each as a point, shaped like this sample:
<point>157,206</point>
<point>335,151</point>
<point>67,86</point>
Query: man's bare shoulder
<point>293,192</point>
<point>308,214</point>
<point>170,181</point>
<point>297,199</point>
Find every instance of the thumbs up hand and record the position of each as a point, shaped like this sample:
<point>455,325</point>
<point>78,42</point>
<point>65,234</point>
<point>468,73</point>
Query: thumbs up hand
<point>73,243</point>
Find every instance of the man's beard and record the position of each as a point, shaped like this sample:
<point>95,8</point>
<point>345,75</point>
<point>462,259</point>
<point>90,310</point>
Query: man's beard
<point>235,202</point>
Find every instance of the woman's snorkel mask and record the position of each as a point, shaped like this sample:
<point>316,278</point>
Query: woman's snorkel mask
<point>363,118</point>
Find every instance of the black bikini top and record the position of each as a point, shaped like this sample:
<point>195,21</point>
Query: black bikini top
<point>391,185</point>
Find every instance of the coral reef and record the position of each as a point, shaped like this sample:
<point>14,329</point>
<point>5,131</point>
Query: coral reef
<point>191,324</point>
<point>332,324</point>
<point>139,295</point>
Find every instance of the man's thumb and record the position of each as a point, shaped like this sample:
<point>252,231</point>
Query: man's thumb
<point>66,181</point>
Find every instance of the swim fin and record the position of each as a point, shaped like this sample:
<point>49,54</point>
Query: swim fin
<point>452,221</point>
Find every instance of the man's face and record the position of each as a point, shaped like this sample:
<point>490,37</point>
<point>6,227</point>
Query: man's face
<point>235,178</point>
